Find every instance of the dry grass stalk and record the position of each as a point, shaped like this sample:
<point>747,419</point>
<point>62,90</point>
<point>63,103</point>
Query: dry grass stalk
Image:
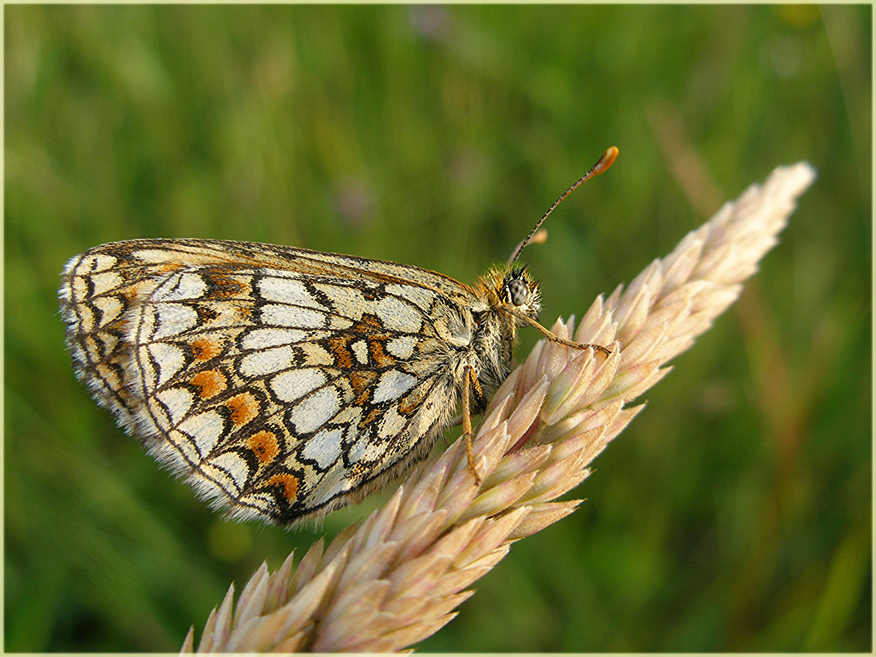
<point>398,577</point>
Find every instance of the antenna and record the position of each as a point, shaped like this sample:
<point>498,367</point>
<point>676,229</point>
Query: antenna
<point>604,162</point>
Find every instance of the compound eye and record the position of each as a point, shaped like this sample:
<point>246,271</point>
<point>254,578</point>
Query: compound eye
<point>518,292</point>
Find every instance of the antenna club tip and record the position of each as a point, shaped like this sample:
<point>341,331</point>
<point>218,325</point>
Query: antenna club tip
<point>604,162</point>
<point>608,158</point>
<point>540,237</point>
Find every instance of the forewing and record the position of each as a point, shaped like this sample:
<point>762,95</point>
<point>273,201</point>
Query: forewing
<point>284,382</point>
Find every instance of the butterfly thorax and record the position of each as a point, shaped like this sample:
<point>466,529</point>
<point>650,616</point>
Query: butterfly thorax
<point>502,295</point>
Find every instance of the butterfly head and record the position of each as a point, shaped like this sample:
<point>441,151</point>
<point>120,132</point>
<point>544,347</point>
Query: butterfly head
<point>521,292</point>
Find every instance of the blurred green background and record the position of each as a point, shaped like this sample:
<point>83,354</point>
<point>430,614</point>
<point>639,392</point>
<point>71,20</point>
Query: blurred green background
<point>735,512</point>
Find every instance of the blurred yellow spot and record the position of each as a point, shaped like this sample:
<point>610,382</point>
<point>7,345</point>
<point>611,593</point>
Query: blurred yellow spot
<point>228,541</point>
<point>799,15</point>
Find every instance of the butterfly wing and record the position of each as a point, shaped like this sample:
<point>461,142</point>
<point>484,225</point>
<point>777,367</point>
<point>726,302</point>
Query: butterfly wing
<point>282,381</point>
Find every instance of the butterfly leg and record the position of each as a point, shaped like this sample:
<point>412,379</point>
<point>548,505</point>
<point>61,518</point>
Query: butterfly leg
<point>555,338</point>
<point>579,345</point>
<point>470,380</point>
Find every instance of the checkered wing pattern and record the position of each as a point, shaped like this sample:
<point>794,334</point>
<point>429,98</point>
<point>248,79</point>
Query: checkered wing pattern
<point>283,382</point>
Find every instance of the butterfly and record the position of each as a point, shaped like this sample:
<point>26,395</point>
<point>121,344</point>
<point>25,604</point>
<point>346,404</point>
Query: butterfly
<point>283,383</point>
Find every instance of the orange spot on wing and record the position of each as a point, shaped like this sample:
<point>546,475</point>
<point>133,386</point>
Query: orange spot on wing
<point>244,407</point>
<point>368,324</point>
<point>411,403</point>
<point>378,353</point>
<point>205,349</point>
<point>288,483</point>
<point>264,446</point>
<point>375,335</point>
<point>223,285</point>
<point>361,381</point>
<point>376,338</point>
<point>339,348</point>
<point>168,267</point>
<point>373,415</point>
<point>244,311</point>
<point>210,383</point>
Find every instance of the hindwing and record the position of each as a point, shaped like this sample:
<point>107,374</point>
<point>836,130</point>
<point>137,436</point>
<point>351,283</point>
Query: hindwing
<point>284,382</point>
